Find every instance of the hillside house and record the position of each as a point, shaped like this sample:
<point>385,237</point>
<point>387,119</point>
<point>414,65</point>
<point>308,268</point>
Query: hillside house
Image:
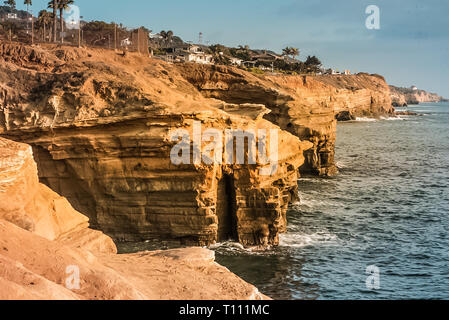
<point>188,53</point>
<point>236,61</point>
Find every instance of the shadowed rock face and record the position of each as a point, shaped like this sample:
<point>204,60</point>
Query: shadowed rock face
<point>34,207</point>
<point>306,106</point>
<point>100,128</point>
<point>44,242</point>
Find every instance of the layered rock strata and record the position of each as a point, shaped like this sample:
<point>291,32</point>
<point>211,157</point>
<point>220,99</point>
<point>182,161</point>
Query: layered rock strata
<point>306,106</point>
<point>402,97</point>
<point>101,128</point>
<point>48,252</point>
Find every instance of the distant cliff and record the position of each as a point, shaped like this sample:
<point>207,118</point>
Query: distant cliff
<point>408,96</point>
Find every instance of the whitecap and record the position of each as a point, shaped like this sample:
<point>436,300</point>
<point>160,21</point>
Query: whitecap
<point>397,118</point>
<point>366,119</point>
<point>340,165</point>
<point>299,240</point>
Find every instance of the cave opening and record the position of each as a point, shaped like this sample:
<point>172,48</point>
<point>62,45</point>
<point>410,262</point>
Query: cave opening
<point>226,210</point>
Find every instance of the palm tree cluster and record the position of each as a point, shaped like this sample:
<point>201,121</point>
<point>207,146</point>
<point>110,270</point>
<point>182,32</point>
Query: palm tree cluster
<point>290,51</point>
<point>44,21</point>
<point>167,36</point>
<point>47,21</point>
<point>60,5</point>
<point>10,3</point>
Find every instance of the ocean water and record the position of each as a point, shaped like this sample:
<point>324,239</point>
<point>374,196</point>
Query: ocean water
<point>388,207</point>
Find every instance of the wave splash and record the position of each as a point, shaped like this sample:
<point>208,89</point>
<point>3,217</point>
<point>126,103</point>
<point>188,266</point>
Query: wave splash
<point>298,240</point>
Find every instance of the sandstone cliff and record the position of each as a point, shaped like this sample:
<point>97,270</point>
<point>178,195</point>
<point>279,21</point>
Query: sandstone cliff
<point>406,96</point>
<point>306,106</point>
<point>41,235</point>
<point>100,127</point>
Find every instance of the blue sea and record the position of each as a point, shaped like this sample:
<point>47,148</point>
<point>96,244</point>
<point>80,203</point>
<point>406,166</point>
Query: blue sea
<point>388,208</point>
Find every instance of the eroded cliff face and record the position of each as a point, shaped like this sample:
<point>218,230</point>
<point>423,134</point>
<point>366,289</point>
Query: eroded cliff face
<point>306,106</point>
<point>44,243</point>
<point>100,126</point>
<point>407,96</point>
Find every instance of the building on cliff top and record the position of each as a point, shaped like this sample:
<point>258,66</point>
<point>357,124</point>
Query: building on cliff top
<point>188,53</point>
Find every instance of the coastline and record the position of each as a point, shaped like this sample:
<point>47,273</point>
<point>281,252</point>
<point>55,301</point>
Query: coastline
<point>100,137</point>
<point>45,245</point>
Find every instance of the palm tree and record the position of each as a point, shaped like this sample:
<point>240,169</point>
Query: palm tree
<point>294,52</point>
<point>28,3</point>
<point>45,18</point>
<point>63,5</point>
<point>10,3</point>
<point>53,4</point>
<point>288,51</point>
<point>170,35</point>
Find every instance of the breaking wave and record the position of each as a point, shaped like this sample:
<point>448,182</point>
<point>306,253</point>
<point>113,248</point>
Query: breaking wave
<point>298,240</point>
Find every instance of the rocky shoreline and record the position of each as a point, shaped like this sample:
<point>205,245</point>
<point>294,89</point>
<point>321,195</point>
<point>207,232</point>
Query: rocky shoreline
<point>402,97</point>
<point>100,128</point>
<point>44,242</point>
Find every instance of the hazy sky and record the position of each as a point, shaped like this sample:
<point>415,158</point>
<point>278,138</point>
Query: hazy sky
<point>411,48</point>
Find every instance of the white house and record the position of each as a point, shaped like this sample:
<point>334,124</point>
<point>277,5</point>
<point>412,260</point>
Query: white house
<point>196,57</point>
<point>236,61</point>
<point>155,36</point>
<point>190,53</point>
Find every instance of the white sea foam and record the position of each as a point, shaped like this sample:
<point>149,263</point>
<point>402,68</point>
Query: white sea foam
<point>298,240</point>
<point>397,118</point>
<point>340,165</point>
<point>361,119</point>
<point>228,244</point>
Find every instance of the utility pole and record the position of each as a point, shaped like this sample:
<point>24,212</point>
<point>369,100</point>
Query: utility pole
<point>32,29</point>
<point>138,40</point>
<point>115,36</point>
<point>79,32</point>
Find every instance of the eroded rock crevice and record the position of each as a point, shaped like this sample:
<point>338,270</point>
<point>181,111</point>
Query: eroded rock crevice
<point>100,126</point>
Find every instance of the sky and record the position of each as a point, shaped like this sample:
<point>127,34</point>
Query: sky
<point>410,48</point>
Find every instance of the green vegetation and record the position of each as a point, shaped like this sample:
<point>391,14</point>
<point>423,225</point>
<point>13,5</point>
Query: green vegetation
<point>10,3</point>
<point>43,22</point>
<point>60,5</point>
<point>289,51</point>
<point>102,33</point>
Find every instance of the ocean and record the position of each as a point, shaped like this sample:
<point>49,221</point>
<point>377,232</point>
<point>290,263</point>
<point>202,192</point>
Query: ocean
<point>388,208</point>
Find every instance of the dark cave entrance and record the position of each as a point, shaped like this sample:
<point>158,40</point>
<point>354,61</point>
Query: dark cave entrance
<point>226,210</point>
